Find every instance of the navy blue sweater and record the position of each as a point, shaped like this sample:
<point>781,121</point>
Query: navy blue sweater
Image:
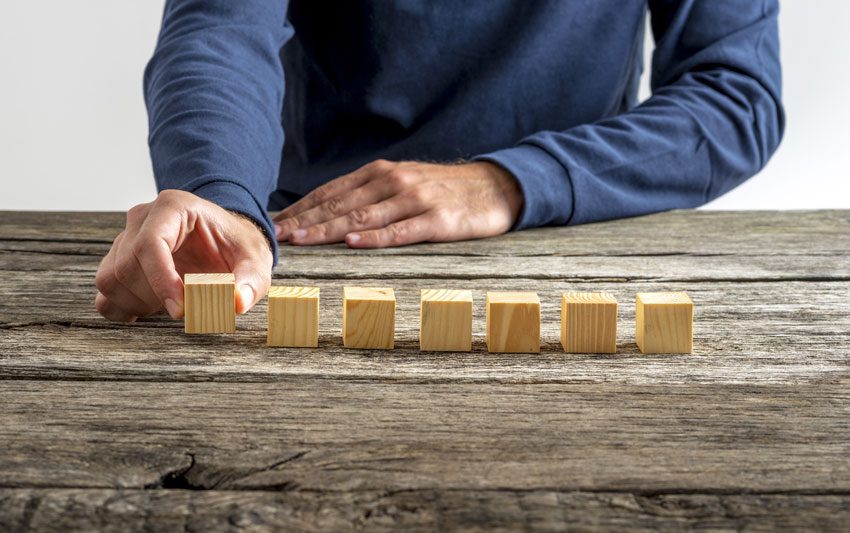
<point>546,89</point>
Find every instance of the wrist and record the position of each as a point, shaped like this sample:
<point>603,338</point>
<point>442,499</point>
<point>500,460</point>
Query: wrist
<point>507,187</point>
<point>235,198</point>
<point>253,228</point>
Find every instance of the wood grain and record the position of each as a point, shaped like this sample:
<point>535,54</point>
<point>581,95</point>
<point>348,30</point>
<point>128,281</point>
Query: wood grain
<point>512,321</point>
<point>210,303</point>
<point>589,322</point>
<point>293,317</point>
<point>700,233</point>
<point>746,332</point>
<point>445,320</point>
<point>419,510</point>
<point>664,322</point>
<point>599,269</point>
<point>368,318</point>
<point>303,433</point>
<point>138,427</point>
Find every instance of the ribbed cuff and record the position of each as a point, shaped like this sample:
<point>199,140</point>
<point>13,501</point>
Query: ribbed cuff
<point>545,183</point>
<point>234,197</point>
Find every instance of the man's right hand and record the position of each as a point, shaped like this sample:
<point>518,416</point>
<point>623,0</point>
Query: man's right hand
<point>178,233</point>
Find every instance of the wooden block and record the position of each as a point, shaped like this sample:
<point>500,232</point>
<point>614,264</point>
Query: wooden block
<point>209,303</point>
<point>294,317</point>
<point>588,322</point>
<point>445,320</point>
<point>513,322</point>
<point>368,318</point>
<point>664,322</point>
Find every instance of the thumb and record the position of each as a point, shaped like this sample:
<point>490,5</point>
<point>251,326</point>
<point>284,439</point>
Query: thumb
<point>253,278</point>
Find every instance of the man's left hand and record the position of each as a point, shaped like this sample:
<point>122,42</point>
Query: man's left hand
<point>385,204</point>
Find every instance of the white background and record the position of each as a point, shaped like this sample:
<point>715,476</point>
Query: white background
<point>73,126</point>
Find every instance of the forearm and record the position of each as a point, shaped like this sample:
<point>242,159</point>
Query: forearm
<point>713,121</point>
<point>214,90</point>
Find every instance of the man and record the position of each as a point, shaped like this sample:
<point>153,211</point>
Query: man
<point>526,108</point>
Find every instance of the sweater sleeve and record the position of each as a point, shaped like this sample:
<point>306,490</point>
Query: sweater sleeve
<point>214,92</point>
<point>714,119</point>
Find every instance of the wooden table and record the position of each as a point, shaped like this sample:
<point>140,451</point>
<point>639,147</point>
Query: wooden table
<point>127,427</point>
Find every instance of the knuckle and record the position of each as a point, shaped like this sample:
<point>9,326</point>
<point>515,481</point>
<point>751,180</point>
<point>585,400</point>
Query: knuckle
<point>123,271</point>
<point>167,195</point>
<point>116,242</point>
<point>141,245</point>
<point>442,216</point>
<point>292,223</point>
<point>174,197</point>
<point>418,194</point>
<point>107,283</point>
<point>398,178</point>
<point>379,164</point>
<point>361,216</point>
<point>334,206</point>
<point>136,213</point>
<point>320,231</point>
<point>320,194</point>
<point>103,280</point>
<point>102,305</point>
<point>397,233</point>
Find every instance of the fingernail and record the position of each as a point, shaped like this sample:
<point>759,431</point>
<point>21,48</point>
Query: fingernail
<point>247,295</point>
<point>173,308</point>
<point>353,238</point>
<point>299,233</point>
<point>277,231</point>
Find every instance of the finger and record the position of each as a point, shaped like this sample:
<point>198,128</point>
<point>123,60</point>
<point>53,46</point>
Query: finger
<point>253,279</point>
<point>129,272</point>
<point>110,287</point>
<point>375,216</point>
<point>417,229</point>
<point>110,311</point>
<point>136,216</point>
<point>329,190</point>
<point>338,206</point>
<point>120,297</point>
<point>159,236</point>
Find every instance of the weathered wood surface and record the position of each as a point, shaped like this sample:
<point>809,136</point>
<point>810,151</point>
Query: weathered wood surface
<point>334,435</point>
<point>121,511</point>
<point>427,510</point>
<point>676,232</point>
<point>745,332</point>
<point>106,426</point>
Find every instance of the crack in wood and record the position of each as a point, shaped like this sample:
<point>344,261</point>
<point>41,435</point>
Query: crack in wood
<point>29,513</point>
<point>53,252</point>
<point>721,439</point>
<point>174,480</point>
<point>177,478</point>
<point>105,325</point>
<point>564,279</point>
<point>58,239</point>
<point>425,510</point>
<point>190,477</point>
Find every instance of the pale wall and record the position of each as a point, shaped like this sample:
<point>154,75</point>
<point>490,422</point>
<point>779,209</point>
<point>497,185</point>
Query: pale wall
<point>73,125</point>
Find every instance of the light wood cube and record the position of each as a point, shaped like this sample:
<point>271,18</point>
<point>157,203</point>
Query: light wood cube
<point>209,303</point>
<point>294,317</point>
<point>445,320</point>
<point>588,322</point>
<point>513,322</point>
<point>368,318</point>
<point>664,322</point>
